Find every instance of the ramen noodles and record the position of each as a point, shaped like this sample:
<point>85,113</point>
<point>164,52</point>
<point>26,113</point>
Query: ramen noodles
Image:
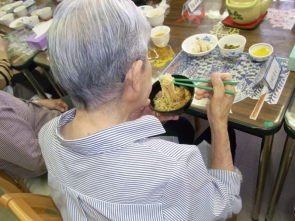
<point>170,97</point>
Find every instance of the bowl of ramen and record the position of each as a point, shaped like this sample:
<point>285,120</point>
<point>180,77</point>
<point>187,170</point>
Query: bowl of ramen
<point>168,99</point>
<point>231,46</point>
<point>200,44</point>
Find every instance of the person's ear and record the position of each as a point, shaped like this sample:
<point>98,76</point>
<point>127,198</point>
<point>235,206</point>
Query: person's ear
<point>134,75</point>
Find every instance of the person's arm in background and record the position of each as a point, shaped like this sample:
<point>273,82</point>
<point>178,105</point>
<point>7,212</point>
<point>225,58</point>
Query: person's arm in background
<point>6,71</point>
<point>52,104</point>
<point>20,124</point>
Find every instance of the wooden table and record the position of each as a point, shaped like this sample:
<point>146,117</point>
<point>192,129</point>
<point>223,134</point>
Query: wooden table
<point>286,158</point>
<point>22,61</point>
<point>282,41</point>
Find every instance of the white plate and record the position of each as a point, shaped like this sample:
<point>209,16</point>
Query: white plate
<point>188,43</point>
<point>18,23</point>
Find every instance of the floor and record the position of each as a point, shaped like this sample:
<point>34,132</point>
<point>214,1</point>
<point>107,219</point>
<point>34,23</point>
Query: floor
<point>247,158</point>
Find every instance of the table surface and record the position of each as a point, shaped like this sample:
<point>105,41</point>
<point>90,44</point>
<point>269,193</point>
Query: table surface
<point>20,61</point>
<point>281,39</point>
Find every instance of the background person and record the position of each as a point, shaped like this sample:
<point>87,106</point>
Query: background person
<point>103,160</point>
<point>21,155</point>
<point>13,81</point>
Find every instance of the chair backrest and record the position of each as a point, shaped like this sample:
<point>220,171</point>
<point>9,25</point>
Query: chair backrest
<point>8,184</point>
<point>29,206</point>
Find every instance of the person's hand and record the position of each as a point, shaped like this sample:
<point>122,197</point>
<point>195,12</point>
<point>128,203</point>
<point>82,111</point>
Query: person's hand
<point>53,104</point>
<point>146,110</point>
<point>4,43</point>
<point>220,104</point>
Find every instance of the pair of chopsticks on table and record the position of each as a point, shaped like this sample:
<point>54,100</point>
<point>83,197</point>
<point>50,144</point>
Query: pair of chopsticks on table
<point>179,81</point>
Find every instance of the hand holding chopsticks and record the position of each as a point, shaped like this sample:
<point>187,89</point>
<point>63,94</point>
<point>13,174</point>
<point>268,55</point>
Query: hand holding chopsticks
<point>178,81</point>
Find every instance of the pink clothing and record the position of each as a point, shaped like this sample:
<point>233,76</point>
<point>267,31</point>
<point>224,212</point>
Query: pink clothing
<point>20,122</point>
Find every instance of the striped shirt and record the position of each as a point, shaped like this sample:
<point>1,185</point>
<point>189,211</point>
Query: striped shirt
<point>6,72</point>
<point>121,174</point>
<point>20,122</point>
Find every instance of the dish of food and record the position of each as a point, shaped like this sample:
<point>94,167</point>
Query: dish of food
<point>18,23</point>
<point>200,44</point>
<point>168,99</point>
<point>226,46</point>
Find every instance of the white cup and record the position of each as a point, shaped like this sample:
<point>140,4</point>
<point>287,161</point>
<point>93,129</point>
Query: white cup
<point>155,16</point>
<point>7,19</point>
<point>21,11</point>
<point>160,36</point>
<point>145,8</point>
<point>45,13</point>
<point>32,21</point>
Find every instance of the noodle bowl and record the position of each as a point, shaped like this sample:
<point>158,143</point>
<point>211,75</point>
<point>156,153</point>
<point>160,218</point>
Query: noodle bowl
<point>168,99</point>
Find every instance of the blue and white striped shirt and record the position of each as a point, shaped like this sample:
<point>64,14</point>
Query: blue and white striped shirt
<point>121,174</point>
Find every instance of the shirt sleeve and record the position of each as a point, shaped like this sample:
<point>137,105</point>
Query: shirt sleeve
<point>196,193</point>
<point>6,72</point>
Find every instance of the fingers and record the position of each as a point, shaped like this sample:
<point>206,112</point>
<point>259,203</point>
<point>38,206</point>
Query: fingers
<point>217,85</point>
<point>61,106</point>
<point>166,118</point>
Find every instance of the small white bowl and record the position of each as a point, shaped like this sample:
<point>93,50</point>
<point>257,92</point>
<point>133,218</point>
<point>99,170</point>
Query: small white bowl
<point>188,44</point>
<point>145,8</point>
<point>35,12</point>
<point>21,11</point>
<point>235,40</point>
<point>45,13</point>
<point>17,3</point>
<point>2,13</point>
<point>32,21</point>
<point>18,23</point>
<point>7,19</point>
<point>254,48</point>
<point>8,8</point>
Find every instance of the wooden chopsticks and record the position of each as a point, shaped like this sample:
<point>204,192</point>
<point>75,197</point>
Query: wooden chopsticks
<point>179,81</point>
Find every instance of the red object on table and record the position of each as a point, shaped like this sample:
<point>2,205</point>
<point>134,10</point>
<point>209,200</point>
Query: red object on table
<point>229,22</point>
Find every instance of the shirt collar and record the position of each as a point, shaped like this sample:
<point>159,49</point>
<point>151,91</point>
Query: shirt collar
<point>110,138</point>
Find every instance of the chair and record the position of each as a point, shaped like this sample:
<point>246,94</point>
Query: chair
<point>29,206</point>
<point>10,185</point>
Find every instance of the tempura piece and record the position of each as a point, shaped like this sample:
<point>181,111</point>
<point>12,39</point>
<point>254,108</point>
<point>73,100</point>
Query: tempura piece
<point>200,46</point>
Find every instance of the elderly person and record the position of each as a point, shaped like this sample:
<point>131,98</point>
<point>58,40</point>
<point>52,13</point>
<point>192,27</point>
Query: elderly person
<point>103,159</point>
<point>21,155</point>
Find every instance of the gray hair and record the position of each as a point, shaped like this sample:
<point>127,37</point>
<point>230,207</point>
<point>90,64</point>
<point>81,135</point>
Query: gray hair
<point>92,44</point>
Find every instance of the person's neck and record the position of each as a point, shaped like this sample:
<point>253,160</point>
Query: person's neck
<point>86,123</point>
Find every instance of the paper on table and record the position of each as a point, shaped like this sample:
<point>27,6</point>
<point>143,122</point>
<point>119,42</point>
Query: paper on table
<point>42,28</point>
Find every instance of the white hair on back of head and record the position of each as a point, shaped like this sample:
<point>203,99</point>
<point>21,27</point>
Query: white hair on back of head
<point>92,45</point>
